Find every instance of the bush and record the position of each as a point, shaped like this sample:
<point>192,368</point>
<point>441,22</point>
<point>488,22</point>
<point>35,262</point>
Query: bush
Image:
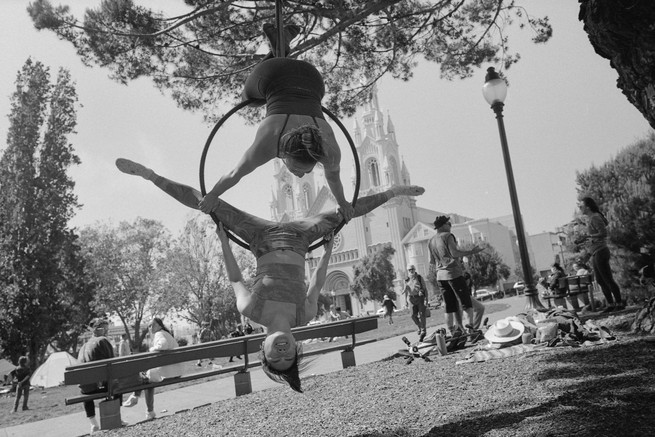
<point>182,341</point>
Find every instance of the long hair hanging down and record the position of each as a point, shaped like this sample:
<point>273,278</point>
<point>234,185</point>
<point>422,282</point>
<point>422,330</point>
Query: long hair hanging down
<point>593,207</point>
<point>289,376</point>
<point>304,144</point>
<point>161,324</point>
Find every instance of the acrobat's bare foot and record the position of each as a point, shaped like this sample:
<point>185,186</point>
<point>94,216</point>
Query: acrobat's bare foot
<point>134,168</point>
<point>407,190</point>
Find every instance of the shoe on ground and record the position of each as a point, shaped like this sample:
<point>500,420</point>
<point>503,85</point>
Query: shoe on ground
<point>619,307</point>
<point>131,401</point>
<point>476,336</point>
<point>609,309</point>
<point>94,428</point>
<point>150,415</point>
<point>25,408</point>
<point>421,336</point>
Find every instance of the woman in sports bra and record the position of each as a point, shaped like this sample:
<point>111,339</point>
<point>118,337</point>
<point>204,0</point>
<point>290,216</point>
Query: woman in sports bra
<point>279,298</point>
<point>293,130</point>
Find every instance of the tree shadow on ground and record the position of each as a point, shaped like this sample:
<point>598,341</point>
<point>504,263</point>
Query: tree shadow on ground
<point>604,391</point>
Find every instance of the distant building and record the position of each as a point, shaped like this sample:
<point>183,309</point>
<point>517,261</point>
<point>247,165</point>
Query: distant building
<point>399,223</point>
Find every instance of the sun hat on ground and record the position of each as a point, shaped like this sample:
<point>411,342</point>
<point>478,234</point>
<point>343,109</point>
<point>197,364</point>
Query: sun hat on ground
<point>504,331</point>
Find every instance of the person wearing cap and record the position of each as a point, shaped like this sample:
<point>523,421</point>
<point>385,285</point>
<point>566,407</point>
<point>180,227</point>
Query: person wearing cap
<point>445,256</point>
<point>96,348</point>
<point>417,293</point>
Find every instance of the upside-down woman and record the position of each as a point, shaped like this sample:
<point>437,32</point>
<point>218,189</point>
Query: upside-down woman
<point>279,298</point>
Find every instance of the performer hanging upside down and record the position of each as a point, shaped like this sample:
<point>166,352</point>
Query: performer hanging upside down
<point>279,298</point>
<point>293,130</point>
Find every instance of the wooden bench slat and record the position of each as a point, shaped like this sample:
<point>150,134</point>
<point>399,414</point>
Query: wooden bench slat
<point>114,369</point>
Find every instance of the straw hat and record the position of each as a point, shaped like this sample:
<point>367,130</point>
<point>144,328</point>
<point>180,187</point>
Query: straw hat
<point>504,331</point>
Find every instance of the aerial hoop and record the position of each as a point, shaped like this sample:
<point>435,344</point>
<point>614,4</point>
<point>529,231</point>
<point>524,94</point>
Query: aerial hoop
<point>220,123</point>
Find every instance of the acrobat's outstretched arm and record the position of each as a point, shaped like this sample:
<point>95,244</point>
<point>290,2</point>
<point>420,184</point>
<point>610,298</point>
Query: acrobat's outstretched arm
<point>233,271</point>
<point>318,279</point>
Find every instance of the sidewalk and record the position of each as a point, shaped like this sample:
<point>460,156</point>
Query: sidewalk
<point>187,398</point>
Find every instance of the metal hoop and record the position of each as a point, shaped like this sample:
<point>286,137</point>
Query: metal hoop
<point>220,123</point>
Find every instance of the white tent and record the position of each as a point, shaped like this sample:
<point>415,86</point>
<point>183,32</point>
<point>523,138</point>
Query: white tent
<point>51,373</point>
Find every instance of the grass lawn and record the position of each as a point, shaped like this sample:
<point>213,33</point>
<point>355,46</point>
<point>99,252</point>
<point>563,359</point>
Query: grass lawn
<point>48,403</point>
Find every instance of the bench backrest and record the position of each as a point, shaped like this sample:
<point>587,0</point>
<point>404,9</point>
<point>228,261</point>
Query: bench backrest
<point>125,367</point>
<point>579,283</point>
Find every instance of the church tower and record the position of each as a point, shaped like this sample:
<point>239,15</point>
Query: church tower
<point>381,167</point>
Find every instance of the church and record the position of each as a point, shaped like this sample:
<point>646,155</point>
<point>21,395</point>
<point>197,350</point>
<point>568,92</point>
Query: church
<point>399,222</point>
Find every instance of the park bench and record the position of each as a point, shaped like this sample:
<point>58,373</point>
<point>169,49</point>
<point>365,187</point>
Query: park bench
<point>121,373</point>
<point>572,288</point>
<point>559,295</point>
<point>581,287</point>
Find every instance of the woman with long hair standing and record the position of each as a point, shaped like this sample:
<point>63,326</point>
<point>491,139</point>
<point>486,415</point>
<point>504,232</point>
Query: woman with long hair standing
<point>600,254</point>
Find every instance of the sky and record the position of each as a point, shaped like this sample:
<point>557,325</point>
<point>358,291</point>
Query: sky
<point>563,114</point>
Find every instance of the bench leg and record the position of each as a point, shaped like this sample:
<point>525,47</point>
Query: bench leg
<point>574,302</point>
<point>110,413</point>
<point>560,301</point>
<point>242,383</point>
<point>348,358</point>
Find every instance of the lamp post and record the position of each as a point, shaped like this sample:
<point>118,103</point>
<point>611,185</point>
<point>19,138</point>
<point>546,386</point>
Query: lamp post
<point>334,297</point>
<point>495,91</point>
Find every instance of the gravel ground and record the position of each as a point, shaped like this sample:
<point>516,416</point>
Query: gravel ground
<point>606,390</point>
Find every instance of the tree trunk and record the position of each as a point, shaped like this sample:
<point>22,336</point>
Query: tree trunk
<point>623,32</point>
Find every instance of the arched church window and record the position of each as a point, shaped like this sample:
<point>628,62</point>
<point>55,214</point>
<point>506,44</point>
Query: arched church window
<point>288,197</point>
<point>374,173</point>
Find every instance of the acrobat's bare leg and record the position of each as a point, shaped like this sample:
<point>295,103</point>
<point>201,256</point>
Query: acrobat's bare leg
<point>321,224</point>
<point>407,190</point>
<point>184,194</point>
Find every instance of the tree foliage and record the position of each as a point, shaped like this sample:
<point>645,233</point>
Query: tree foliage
<point>624,189</point>
<point>43,295</point>
<point>622,32</point>
<point>197,287</point>
<point>486,267</point>
<point>374,275</point>
<point>203,55</point>
<point>125,264</point>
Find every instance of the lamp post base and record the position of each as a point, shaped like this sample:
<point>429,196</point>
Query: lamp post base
<point>532,301</point>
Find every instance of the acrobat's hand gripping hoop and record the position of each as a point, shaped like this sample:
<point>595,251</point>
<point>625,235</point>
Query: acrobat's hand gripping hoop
<point>220,123</point>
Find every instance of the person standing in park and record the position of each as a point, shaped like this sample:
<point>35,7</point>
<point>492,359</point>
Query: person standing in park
<point>205,336</point>
<point>596,240</point>
<point>97,348</point>
<point>478,311</point>
<point>416,294</point>
<point>445,256</point>
<point>234,334</point>
<point>389,307</point>
<point>21,375</point>
<point>124,346</point>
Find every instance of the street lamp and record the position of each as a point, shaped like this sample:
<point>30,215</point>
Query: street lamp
<point>495,91</point>
<point>334,297</point>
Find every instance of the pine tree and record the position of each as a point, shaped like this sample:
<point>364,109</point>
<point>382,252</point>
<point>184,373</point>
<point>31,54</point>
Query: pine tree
<point>203,55</point>
<point>43,296</point>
